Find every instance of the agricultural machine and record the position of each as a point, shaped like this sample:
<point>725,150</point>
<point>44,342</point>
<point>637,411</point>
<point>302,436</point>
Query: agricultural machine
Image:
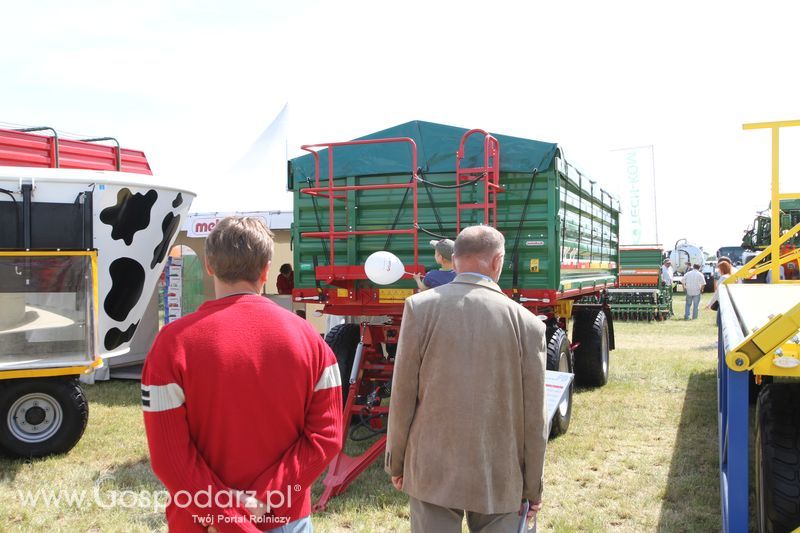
<point>759,356</point>
<point>83,241</point>
<point>685,254</point>
<point>758,237</point>
<point>386,190</point>
<point>642,294</point>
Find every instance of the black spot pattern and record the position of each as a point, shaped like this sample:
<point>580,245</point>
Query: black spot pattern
<point>178,200</point>
<point>127,282</point>
<point>116,337</point>
<point>169,226</point>
<point>130,214</point>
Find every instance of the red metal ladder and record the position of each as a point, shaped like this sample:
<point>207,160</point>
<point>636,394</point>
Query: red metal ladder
<point>489,174</point>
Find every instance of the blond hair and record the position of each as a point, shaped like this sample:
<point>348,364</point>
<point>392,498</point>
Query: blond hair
<point>239,248</point>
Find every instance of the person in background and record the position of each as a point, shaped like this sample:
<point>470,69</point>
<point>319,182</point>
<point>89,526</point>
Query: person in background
<point>484,453</point>
<point>285,282</point>
<point>242,399</point>
<point>725,270</point>
<point>726,259</point>
<point>693,283</point>
<point>666,273</point>
<point>443,255</point>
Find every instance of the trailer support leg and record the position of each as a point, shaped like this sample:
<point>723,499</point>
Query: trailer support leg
<point>345,469</point>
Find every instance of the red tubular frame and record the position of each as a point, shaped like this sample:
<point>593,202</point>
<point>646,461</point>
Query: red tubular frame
<point>490,170</point>
<point>23,148</point>
<point>374,369</point>
<point>332,234</point>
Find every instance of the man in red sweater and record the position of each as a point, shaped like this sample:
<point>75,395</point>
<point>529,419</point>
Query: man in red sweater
<point>242,399</point>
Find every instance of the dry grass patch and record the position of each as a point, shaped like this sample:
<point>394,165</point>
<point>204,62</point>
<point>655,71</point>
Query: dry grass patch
<point>640,454</point>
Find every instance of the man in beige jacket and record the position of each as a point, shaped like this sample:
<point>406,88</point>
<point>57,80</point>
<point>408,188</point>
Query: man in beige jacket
<point>467,424</point>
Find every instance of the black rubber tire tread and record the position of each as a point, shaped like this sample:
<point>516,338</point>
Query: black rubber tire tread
<point>777,458</point>
<point>343,341</point>
<point>755,388</point>
<point>590,327</point>
<point>558,345</point>
<point>75,408</point>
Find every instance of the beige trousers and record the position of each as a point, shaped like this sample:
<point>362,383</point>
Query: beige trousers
<point>430,518</point>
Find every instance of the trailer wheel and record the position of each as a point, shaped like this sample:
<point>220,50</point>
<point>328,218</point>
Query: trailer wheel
<point>343,340</point>
<point>777,457</point>
<point>591,357</point>
<point>559,358</point>
<point>755,388</point>
<point>41,417</point>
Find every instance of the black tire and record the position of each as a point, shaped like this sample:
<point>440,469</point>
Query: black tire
<point>343,340</point>
<point>754,388</point>
<point>592,356</point>
<point>41,417</point>
<point>777,458</point>
<point>559,357</point>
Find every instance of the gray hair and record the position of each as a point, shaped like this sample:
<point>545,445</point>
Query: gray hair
<point>481,242</point>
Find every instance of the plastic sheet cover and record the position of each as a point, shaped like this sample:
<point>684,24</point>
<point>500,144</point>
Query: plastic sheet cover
<point>436,152</point>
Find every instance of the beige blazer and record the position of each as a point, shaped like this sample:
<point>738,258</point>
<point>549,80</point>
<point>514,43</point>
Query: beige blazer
<point>467,423</point>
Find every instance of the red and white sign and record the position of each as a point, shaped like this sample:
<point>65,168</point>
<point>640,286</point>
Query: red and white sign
<point>201,225</point>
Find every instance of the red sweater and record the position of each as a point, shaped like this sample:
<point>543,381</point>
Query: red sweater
<point>241,394</point>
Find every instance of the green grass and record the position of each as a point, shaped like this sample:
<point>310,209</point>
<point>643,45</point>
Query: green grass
<point>640,454</point>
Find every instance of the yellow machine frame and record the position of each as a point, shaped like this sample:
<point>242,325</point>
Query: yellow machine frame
<point>760,350</point>
<point>70,370</point>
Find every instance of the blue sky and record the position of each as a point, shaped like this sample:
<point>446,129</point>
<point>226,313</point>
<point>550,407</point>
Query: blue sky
<point>194,84</point>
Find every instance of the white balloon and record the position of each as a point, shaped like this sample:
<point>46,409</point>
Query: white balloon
<point>384,268</point>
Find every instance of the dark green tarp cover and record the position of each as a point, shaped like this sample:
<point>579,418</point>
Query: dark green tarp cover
<point>436,152</point>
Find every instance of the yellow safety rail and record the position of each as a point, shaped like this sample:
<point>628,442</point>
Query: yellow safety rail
<point>778,337</point>
<point>67,370</point>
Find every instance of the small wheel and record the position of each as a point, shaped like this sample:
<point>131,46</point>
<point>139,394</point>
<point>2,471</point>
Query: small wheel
<point>41,417</point>
<point>559,358</point>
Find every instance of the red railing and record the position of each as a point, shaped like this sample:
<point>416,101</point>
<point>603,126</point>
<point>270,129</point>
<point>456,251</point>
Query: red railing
<point>329,192</point>
<point>489,173</point>
<point>23,148</point>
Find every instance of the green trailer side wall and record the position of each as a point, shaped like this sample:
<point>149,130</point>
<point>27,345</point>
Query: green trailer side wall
<point>568,211</point>
<point>640,258</point>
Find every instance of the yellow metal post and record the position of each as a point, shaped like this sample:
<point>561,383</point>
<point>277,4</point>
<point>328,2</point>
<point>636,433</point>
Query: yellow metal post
<point>775,204</point>
<point>775,224</point>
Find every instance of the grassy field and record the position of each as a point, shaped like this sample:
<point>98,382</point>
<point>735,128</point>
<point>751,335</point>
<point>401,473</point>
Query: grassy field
<point>640,454</point>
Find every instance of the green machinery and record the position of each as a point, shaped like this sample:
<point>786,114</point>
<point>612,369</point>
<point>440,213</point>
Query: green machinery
<point>397,189</point>
<point>757,237</point>
<point>642,294</point>
<point>561,227</point>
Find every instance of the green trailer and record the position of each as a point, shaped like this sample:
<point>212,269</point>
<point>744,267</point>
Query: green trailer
<point>398,189</point>
<point>642,294</point>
